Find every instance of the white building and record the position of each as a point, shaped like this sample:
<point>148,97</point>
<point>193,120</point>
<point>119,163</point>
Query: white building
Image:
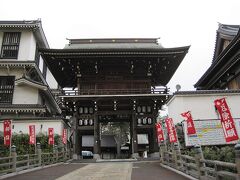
<point>206,118</point>
<point>25,88</point>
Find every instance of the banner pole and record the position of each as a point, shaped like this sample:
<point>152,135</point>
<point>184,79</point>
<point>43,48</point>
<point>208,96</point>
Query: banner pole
<point>10,153</point>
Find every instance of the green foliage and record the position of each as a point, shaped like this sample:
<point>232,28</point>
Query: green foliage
<point>224,153</point>
<point>21,141</point>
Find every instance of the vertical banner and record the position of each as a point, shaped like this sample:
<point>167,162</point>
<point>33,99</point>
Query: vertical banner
<point>32,134</point>
<point>227,122</point>
<point>172,134</point>
<point>64,136</point>
<point>7,132</point>
<point>160,135</point>
<point>50,136</point>
<point>190,125</point>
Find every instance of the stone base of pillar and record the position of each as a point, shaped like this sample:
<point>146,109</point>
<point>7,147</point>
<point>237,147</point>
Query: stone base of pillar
<point>96,156</point>
<point>154,155</point>
<point>76,157</point>
<point>135,156</point>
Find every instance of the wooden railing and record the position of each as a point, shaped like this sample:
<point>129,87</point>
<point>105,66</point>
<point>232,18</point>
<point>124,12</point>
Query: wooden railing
<point>198,167</point>
<point>16,163</point>
<point>162,90</point>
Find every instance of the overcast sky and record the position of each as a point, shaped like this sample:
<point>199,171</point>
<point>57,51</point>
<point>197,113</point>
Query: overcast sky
<point>175,22</point>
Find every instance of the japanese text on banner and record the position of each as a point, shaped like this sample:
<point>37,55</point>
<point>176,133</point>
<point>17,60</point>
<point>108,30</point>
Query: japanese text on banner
<point>7,132</point>
<point>50,136</point>
<point>32,134</point>
<point>171,130</point>
<point>160,135</point>
<point>64,136</point>
<point>190,125</point>
<point>227,121</point>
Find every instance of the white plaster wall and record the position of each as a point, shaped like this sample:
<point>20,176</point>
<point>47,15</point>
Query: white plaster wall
<point>51,80</point>
<point>201,106</point>
<point>25,95</point>
<point>21,126</point>
<point>41,64</point>
<point>27,46</point>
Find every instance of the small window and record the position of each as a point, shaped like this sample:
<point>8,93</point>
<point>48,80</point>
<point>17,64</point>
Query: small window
<point>10,45</point>
<point>6,89</point>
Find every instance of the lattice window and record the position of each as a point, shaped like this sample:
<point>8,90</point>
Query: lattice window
<point>6,89</point>
<point>10,45</point>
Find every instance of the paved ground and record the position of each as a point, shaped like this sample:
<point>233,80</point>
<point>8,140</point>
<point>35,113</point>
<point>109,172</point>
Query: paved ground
<point>48,173</point>
<point>102,171</point>
<point>153,171</point>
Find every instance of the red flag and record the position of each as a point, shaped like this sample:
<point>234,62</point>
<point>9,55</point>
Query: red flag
<point>190,125</point>
<point>32,134</point>
<point>7,132</point>
<point>172,134</point>
<point>227,122</point>
<point>160,135</point>
<point>64,136</point>
<point>50,136</point>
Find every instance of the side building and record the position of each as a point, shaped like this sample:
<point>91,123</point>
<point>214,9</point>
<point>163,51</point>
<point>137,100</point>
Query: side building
<point>221,80</point>
<point>25,96</point>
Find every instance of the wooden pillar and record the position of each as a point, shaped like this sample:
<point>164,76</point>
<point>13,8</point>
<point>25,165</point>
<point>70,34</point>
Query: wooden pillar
<point>152,138</point>
<point>80,143</point>
<point>134,141</point>
<point>96,148</point>
<point>76,148</point>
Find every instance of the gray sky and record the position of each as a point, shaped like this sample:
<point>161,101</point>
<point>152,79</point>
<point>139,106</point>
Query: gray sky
<point>175,22</point>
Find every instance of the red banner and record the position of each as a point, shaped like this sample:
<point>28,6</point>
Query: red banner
<point>7,132</point>
<point>32,134</point>
<point>172,134</point>
<point>227,122</point>
<point>160,135</point>
<point>190,125</point>
<point>64,136</point>
<point>50,136</point>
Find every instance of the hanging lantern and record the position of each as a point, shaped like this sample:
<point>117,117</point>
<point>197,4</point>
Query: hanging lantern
<point>85,110</point>
<point>80,110</point>
<point>90,110</point>
<point>144,120</point>
<point>144,109</point>
<point>85,122</point>
<point>139,109</point>
<point>139,121</point>
<point>149,120</point>
<point>90,122</point>
<point>80,122</point>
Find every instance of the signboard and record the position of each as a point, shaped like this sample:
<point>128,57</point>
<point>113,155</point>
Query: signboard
<point>32,134</point>
<point>7,132</point>
<point>209,132</point>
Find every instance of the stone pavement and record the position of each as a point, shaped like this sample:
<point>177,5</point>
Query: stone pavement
<point>102,171</point>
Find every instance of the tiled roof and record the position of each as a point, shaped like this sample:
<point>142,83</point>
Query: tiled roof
<point>131,43</point>
<point>207,92</point>
<point>33,25</point>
